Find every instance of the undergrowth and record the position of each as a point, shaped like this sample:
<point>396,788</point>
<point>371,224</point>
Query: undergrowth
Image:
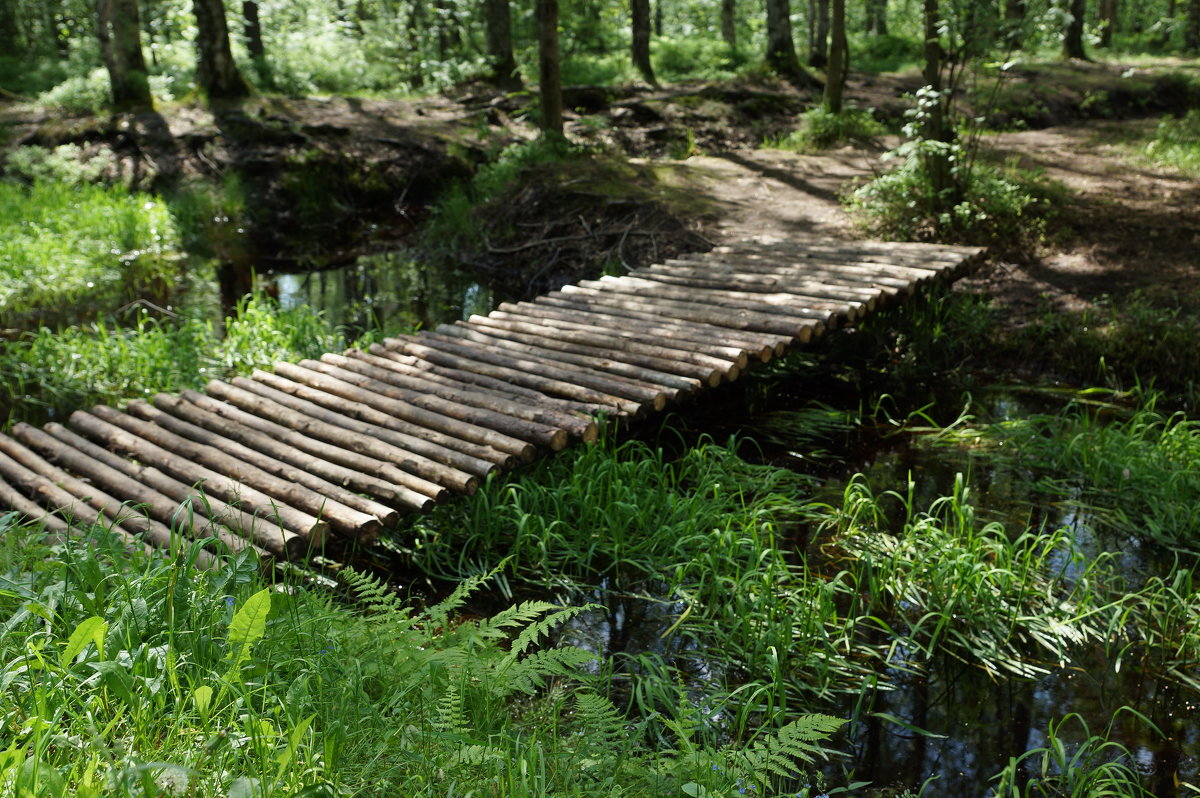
<point>821,129</point>
<point>141,677</point>
<point>112,362</point>
<point>79,248</point>
<point>454,223</point>
<point>1177,143</point>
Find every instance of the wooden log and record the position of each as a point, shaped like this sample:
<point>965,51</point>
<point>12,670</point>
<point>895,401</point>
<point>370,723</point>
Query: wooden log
<point>159,505</point>
<point>328,461</point>
<point>883,278</point>
<point>296,508</point>
<point>60,501</point>
<point>671,385</point>
<point>909,276</point>
<point>346,511</point>
<point>517,426</point>
<point>453,376</point>
<point>631,329</point>
<point>361,455</point>
<point>457,357</point>
<point>370,454</point>
<point>765,284</point>
<point>401,411</point>
<point>601,342</point>
<point>32,512</point>
<point>734,318</point>
<point>360,417</point>
<point>808,243</point>
<point>454,358</point>
<point>543,412</point>
<point>943,264</point>
<point>127,515</point>
<point>286,535</point>
<point>191,501</point>
<point>431,419</point>
<point>615,392</point>
<point>798,307</point>
<point>766,344</point>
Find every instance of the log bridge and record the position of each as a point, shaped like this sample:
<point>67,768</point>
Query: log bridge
<point>279,461</point>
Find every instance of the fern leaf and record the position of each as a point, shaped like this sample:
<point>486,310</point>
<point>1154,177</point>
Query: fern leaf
<point>598,719</point>
<point>799,741</point>
<point>516,615</point>
<point>534,631</point>
<point>525,675</point>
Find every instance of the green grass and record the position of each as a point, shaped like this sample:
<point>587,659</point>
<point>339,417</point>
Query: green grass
<point>141,677</point>
<point>822,130</point>
<point>111,362</point>
<point>1176,143</point>
<point>74,250</point>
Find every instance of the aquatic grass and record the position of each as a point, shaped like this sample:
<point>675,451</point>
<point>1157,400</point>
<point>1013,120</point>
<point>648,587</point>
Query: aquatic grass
<point>49,373</point>
<point>133,676</point>
<point>72,251</point>
<point>945,583</point>
<point>1139,476</point>
<point>1096,766</point>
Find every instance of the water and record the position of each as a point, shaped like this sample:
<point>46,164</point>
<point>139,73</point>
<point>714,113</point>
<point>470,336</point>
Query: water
<point>390,291</point>
<point>957,725</point>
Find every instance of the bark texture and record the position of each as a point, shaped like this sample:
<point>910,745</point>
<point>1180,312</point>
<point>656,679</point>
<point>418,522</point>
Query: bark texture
<point>216,72</point>
<point>119,32</point>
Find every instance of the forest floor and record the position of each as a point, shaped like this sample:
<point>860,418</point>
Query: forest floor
<point>340,175</point>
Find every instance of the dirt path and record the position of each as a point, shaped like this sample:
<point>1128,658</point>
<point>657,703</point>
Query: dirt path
<point>1122,225</point>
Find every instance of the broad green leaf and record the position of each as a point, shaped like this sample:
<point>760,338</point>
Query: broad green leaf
<point>202,698</point>
<point>248,626</point>
<point>92,630</point>
<point>288,755</point>
<point>243,787</point>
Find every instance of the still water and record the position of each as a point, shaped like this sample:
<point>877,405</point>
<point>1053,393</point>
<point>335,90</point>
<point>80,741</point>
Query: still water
<point>950,728</point>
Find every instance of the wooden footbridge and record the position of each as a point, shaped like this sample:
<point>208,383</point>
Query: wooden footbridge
<point>342,445</point>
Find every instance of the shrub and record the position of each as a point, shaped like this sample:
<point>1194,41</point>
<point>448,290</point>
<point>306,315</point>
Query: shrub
<point>821,129</point>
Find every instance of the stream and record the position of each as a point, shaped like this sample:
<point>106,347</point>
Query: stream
<point>951,728</point>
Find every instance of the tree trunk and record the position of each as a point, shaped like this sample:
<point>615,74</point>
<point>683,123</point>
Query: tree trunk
<point>639,14</point>
<point>416,29</point>
<point>1107,11</point>
<point>658,18</point>
<point>10,30</point>
<point>121,44</point>
<point>254,41</point>
<point>1014,22</point>
<point>818,53</point>
<point>498,28</point>
<point>839,59</point>
<point>1191,33</point>
<point>216,73</point>
<point>549,67</point>
<point>1073,36</point>
<point>937,164</point>
<point>877,17</point>
<point>781,50</point>
<point>729,24</point>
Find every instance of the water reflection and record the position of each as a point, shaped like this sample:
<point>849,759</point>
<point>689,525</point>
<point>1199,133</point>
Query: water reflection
<point>393,292</point>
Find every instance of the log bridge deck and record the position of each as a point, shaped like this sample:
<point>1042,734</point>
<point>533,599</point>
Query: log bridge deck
<point>342,445</point>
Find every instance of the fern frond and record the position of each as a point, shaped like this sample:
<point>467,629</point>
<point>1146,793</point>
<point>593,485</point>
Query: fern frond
<point>525,675</point>
<point>799,741</point>
<point>534,631</point>
<point>451,711</point>
<point>438,614</point>
<point>597,719</point>
<point>496,627</point>
<point>476,755</point>
<point>374,594</point>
